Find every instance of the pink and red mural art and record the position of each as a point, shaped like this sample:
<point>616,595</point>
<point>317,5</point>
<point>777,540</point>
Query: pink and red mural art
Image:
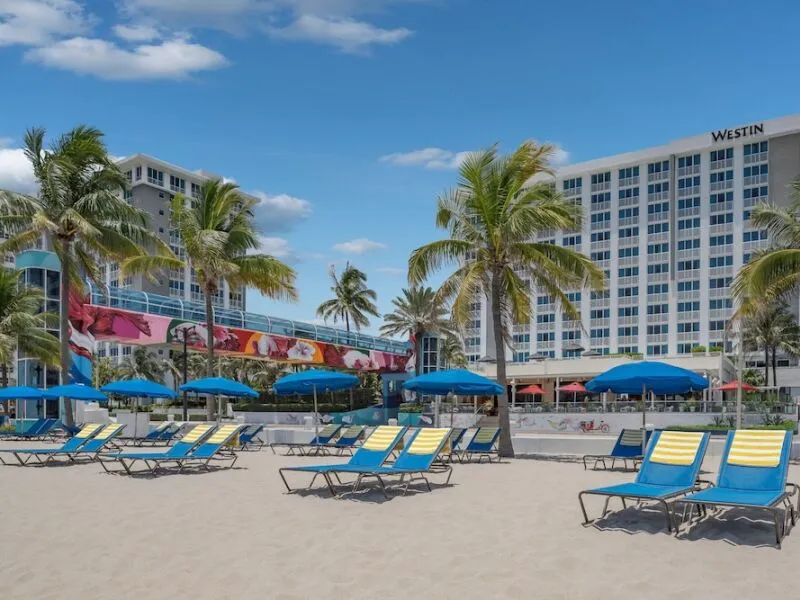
<point>90,324</point>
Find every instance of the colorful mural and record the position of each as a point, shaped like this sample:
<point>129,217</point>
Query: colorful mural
<point>91,324</point>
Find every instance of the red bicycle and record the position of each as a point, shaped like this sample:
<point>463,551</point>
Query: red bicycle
<point>589,426</point>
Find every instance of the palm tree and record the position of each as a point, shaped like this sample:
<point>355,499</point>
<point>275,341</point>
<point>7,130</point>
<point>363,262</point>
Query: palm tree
<point>141,364</point>
<point>352,299</point>
<point>258,374</point>
<point>22,324</point>
<point>104,371</point>
<point>772,329</point>
<point>493,217</point>
<point>452,352</point>
<point>417,312</point>
<point>220,239</point>
<point>79,212</point>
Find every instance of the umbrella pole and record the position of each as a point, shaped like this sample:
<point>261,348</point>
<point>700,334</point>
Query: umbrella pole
<point>316,413</point>
<point>135,416</point>
<point>644,418</point>
<point>219,409</point>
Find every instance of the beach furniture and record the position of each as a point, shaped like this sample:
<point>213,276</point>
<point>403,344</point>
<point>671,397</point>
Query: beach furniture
<point>93,447</point>
<point>41,454</point>
<point>214,448</point>
<point>179,450</point>
<point>39,429</point>
<point>248,437</point>
<point>349,439</point>
<point>372,453</point>
<point>752,475</point>
<point>483,444</point>
<point>155,435</point>
<point>416,459</point>
<point>669,470</point>
<point>451,447</point>
<point>627,448</point>
<point>32,429</point>
<point>316,445</point>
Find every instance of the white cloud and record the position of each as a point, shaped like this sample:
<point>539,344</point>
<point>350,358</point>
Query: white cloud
<point>560,156</point>
<point>281,212</point>
<point>358,246</point>
<point>37,22</point>
<point>16,173</point>
<point>344,33</point>
<point>173,59</point>
<point>136,33</point>
<point>279,248</point>
<point>391,271</point>
<point>430,158</point>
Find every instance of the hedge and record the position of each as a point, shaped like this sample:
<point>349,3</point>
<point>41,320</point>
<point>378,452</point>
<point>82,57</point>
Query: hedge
<point>323,407</point>
<point>787,425</point>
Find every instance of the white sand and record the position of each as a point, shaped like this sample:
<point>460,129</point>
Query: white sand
<point>500,531</point>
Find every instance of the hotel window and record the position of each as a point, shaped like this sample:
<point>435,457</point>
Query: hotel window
<point>627,292</point>
<point>658,207</point>
<point>155,176</point>
<point>716,325</point>
<point>601,295</point>
<point>627,232</point>
<point>756,192</point>
<point>657,309</point>
<point>756,170</point>
<point>687,348</point>
<point>627,213</point>
<point>658,268</point>
<point>684,224</point>
<point>688,286</point>
<point>601,197</point>
<point>659,350</point>
<point>628,311</point>
<point>628,350</point>
<point>658,167</point>
<point>657,288</point>
<point>720,261</point>
<point>657,248</point>
<point>721,197</point>
<point>601,178</point>
<point>721,218</point>
<point>654,228</point>
<point>689,161</point>
<point>601,236</point>
<point>723,154</point>
<point>691,244</point>
<point>719,282</point>
<point>521,338</point>
<point>573,240</point>
<point>756,148</point>
<point>602,217</point>
<point>754,236</point>
<point>656,188</point>
<point>628,252</point>
<point>627,331</point>
<point>629,193</point>
<point>604,255</point>
<point>688,327</point>
<point>576,183</point>
<point>138,172</point>
<point>688,203</point>
<point>660,329</point>
<point>574,297</point>
<point>547,336</point>
<point>746,257</point>
<point>628,272</point>
<point>571,335</point>
<point>720,304</point>
<point>628,173</point>
<point>546,318</point>
<point>540,300</point>
<point>688,182</point>
<point>176,184</point>
<point>720,240</point>
<point>600,313</point>
<point>688,306</point>
<point>721,176</point>
<point>602,332</point>
<point>520,357</point>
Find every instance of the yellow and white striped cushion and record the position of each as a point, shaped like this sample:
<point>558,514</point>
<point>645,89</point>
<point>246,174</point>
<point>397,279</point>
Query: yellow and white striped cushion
<point>88,430</point>
<point>484,435</point>
<point>108,431</point>
<point>427,441</point>
<point>631,437</point>
<point>676,447</point>
<point>196,433</point>
<point>222,434</point>
<point>382,438</point>
<point>756,448</point>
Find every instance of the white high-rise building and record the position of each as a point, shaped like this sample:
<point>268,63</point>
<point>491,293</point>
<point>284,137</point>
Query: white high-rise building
<point>670,226</point>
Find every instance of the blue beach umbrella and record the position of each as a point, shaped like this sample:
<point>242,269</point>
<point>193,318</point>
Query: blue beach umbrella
<point>219,386</point>
<point>314,380</point>
<point>75,391</point>
<point>21,392</point>
<point>645,377</point>
<point>459,382</point>
<point>138,388</point>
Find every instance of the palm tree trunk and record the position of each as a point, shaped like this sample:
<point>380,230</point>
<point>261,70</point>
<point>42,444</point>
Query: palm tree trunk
<point>418,353</point>
<point>505,448</point>
<point>4,375</point>
<point>66,359</point>
<point>209,349</point>
<point>766,366</point>
<point>347,321</point>
<point>774,366</point>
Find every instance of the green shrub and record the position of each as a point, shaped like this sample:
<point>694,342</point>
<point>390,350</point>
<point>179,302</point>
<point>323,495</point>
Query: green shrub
<point>157,417</point>
<point>323,407</point>
<point>788,425</point>
<point>197,417</point>
<point>699,350</point>
<point>410,407</point>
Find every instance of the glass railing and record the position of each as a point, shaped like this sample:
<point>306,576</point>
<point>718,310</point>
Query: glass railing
<point>192,311</point>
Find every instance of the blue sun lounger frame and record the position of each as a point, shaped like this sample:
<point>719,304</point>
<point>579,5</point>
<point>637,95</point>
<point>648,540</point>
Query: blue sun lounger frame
<point>37,430</point>
<point>365,456</point>
<point>623,450</point>
<point>248,437</point>
<point>349,439</point>
<point>42,455</point>
<point>752,487</point>
<point>482,445</point>
<point>655,481</point>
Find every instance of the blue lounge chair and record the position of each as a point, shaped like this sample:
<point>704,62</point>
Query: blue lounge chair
<point>483,443</point>
<point>627,448</point>
<point>214,448</point>
<point>349,439</point>
<point>179,450</point>
<point>32,429</point>
<point>752,475</point>
<point>248,437</point>
<point>669,470</point>
<point>37,430</point>
<point>155,435</point>
<point>451,448</point>
<point>92,448</point>
<point>71,445</point>
<point>417,458</point>
<point>372,453</point>
<point>317,444</point>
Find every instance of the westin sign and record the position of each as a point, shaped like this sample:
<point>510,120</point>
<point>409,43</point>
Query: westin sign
<point>724,135</point>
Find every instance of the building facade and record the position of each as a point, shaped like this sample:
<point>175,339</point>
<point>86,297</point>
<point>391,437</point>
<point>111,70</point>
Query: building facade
<point>670,226</point>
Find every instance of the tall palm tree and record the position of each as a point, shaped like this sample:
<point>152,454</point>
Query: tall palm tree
<point>452,352</point>
<point>492,217</point>
<point>772,329</point>
<point>79,212</point>
<point>221,242</point>
<point>104,371</point>
<point>141,364</point>
<point>258,374</point>
<point>22,324</point>
<point>352,300</point>
<point>416,312</point>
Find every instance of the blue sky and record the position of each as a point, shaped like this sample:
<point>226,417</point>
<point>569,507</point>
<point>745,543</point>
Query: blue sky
<point>348,116</point>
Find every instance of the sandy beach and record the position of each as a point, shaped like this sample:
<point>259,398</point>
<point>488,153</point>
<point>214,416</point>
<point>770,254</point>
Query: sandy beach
<point>509,530</point>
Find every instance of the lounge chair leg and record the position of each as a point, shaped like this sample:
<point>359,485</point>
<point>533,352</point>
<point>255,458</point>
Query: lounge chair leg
<point>358,482</point>
<point>623,503</point>
<point>605,507</point>
<point>586,520</point>
<point>584,463</point>
<point>383,486</point>
<point>288,489</point>
<point>428,483</point>
<point>668,513</point>
<point>777,527</point>
<point>449,474</point>
<point>338,480</point>
<point>313,479</point>
<point>330,484</point>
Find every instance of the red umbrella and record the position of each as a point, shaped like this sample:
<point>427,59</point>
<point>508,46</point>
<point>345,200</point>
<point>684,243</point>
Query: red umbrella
<point>573,387</point>
<point>734,385</point>
<point>531,389</point>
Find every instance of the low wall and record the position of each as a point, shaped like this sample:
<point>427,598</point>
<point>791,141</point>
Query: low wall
<point>363,416</point>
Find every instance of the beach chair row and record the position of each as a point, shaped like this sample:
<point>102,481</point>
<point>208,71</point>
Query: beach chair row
<point>88,443</point>
<point>336,438</point>
<point>753,475</point>
<point>38,430</point>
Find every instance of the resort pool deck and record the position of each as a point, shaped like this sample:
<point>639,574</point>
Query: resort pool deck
<point>510,530</point>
